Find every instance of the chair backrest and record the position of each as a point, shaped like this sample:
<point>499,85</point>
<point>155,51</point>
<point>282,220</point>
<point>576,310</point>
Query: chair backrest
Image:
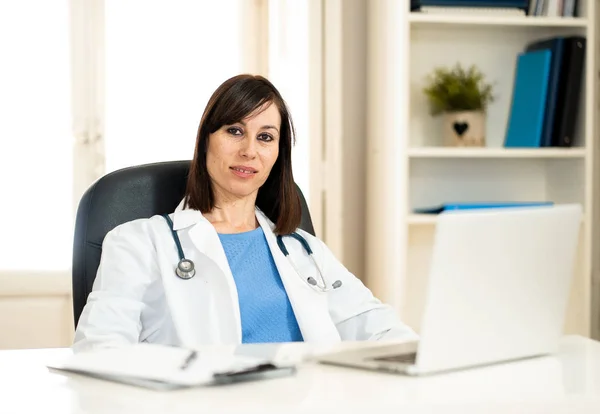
<point>121,196</point>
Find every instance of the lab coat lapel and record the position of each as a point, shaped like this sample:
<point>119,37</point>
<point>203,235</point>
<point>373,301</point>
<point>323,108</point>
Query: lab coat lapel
<point>207,309</point>
<point>310,306</point>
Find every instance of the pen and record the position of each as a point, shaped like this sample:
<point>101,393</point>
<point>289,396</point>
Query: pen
<point>259,372</point>
<point>189,359</point>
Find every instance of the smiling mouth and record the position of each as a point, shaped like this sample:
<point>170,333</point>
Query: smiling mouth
<point>244,171</point>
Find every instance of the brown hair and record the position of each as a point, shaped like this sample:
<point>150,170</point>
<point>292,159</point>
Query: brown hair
<point>234,100</point>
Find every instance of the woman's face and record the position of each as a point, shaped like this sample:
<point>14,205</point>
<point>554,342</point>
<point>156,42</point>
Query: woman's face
<point>240,156</point>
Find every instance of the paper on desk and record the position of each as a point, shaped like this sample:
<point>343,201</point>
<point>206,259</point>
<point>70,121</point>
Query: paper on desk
<point>155,366</point>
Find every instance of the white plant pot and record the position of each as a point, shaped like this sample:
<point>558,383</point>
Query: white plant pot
<point>464,129</point>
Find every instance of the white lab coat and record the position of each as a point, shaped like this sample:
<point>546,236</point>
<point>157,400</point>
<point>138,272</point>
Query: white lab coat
<point>138,298</point>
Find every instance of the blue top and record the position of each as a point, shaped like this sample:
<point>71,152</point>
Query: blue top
<point>265,308</point>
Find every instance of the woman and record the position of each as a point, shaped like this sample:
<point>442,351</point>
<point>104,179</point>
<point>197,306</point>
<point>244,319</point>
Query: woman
<point>240,196</point>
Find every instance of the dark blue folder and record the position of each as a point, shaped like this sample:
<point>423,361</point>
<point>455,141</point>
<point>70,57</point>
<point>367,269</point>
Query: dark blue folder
<point>529,98</point>
<point>556,46</point>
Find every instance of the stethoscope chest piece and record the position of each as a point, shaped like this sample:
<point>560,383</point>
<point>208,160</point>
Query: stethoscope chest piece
<point>185,269</point>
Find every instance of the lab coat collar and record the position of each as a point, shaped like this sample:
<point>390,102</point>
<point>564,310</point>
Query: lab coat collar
<point>183,218</point>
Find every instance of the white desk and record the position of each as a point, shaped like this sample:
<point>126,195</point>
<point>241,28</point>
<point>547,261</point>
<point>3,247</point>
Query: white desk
<point>567,383</point>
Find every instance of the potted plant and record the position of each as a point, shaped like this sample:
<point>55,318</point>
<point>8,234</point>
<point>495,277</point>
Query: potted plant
<point>462,97</point>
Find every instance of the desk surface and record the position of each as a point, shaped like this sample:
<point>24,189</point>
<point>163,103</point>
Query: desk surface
<point>568,382</point>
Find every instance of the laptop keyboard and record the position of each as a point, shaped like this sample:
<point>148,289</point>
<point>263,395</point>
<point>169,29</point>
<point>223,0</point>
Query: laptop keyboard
<point>402,358</point>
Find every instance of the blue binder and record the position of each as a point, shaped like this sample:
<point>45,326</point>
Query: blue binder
<point>556,46</point>
<point>472,206</point>
<point>529,98</point>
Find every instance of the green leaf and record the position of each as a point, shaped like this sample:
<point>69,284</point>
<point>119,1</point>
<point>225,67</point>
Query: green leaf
<point>457,89</point>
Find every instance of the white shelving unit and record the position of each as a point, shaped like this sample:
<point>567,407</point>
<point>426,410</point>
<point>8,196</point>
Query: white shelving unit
<point>416,19</point>
<point>433,152</point>
<point>409,168</point>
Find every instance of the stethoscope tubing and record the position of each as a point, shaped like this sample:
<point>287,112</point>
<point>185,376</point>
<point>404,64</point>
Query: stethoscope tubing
<point>186,269</point>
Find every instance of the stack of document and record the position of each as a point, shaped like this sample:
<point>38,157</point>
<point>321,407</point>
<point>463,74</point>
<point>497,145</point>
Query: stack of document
<point>478,11</point>
<point>165,368</point>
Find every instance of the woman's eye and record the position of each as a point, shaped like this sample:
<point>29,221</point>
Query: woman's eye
<point>234,131</point>
<point>265,137</point>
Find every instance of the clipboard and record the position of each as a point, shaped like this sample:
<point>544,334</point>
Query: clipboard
<point>161,367</point>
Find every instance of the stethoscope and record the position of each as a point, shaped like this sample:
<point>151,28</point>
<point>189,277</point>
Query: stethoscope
<point>186,269</point>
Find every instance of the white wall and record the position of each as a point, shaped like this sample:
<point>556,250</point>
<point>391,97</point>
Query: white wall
<point>345,137</point>
<point>35,310</point>
<point>387,131</point>
<point>354,139</point>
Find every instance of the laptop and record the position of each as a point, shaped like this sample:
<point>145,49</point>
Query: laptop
<point>499,283</point>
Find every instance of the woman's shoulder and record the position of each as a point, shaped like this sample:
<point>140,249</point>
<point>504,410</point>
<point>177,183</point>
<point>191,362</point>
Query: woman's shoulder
<point>140,228</point>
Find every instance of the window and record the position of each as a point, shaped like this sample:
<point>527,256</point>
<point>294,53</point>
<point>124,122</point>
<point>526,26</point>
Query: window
<point>163,61</point>
<point>159,62</point>
<point>36,137</point>
<point>134,75</point>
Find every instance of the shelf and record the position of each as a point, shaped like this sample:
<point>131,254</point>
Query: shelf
<point>462,152</point>
<point>416,19</point>
<point>431,219</point>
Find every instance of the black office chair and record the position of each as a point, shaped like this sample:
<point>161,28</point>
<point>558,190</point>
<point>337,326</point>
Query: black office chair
<point>121,196</point>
